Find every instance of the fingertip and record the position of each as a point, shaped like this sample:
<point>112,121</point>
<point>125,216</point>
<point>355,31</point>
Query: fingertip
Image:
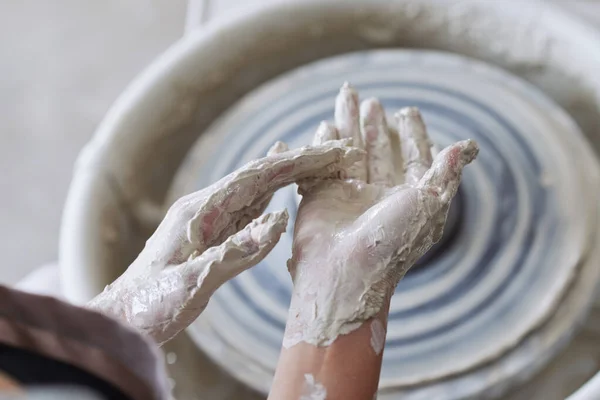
<point>412,129</point>
<point>457,155</point>
<point>346,110</point>
<point>347,92</point>
<point>347,88</point>
<point>371,110</point>
<point>324,133</point>
<point>446,172</point>
<point>408,112</point>
<point>268,227</point>
<point>281,219</point>
<point>353,155</point>
<point>284,214</point>
<point>278,147</point>
<point>470,150</point>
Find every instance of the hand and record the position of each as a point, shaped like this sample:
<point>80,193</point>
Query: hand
<point>356,237</point>
<point>209,237</point>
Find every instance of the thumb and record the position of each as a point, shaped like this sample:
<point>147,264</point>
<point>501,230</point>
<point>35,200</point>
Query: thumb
<point>239,252</point>
<point>444,175</point>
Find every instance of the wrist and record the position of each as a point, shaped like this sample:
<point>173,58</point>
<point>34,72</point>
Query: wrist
<point>321,309</point>
<point>305,369</point>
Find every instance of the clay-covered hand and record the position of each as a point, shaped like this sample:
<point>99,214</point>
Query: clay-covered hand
<point>209,237</point>
<point>356,236</point>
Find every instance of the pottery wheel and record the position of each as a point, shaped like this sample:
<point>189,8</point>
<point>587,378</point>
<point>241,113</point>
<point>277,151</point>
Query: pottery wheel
<point>517,232</point>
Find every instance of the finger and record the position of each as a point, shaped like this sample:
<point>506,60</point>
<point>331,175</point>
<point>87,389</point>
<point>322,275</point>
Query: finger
<point>380,167</point>
<point>325,132</point>
<point>348,126</point>
<point>444,175</point>
<point>396,149</point>
<point>281,169</point>
<point>254,181</point>
<point>182,292</point>
<point>243,217</point>
<point>239,252</point>
<point>346,114</point>
<point>401,228</point>
<point>415,144</point>
<point>251,212</point>
<point>278,147</point>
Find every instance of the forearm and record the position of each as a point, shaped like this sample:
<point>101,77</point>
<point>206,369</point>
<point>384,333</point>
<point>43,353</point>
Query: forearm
<point>347,369</point>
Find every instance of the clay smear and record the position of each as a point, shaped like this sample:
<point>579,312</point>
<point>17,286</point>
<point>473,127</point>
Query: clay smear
<point>312,389</point>
<point>377,336</point>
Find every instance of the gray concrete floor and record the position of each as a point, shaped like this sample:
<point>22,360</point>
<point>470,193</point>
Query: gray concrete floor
<point>62,63</point>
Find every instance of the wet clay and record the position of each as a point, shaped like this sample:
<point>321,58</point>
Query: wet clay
<point>356,236</point>
<point>210,236</point>
<point>312,389</point>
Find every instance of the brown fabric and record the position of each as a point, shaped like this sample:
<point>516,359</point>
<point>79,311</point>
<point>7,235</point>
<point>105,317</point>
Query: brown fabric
<point>83,338</point>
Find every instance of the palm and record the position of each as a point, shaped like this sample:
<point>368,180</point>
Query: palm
<point>330,208</point>
<point>340,227</point>
<point>356,235</point>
